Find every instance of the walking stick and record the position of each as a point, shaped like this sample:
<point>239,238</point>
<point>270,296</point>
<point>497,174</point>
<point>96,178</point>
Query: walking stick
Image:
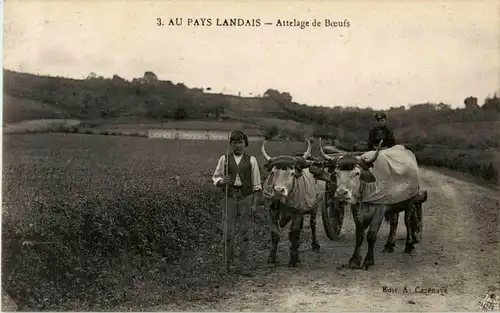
<point>225,206</point>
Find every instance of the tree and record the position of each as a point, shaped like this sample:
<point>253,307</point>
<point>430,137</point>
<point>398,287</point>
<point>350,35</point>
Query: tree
<point>280,97</point>
<point>92,75</point>
<point>217,113</point>
<point>471,103</point>
<point>286,97</point>
<point>118,78</point>
<point>180,113</point>
<point>492,104</point>
<point>271,132</point>
<point>490,173</point>
<point>150,78</point>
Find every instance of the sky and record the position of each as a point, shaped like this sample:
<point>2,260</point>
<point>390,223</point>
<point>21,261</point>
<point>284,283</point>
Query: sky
<point>392,53</point>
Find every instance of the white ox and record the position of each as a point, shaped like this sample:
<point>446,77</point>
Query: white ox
<point>376,185</point>
<point>291,192</point>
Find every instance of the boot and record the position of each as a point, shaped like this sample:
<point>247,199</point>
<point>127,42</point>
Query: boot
<point>244,272</point>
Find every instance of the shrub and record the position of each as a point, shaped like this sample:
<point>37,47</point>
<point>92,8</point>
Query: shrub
<point>271,132</point>
<point>490,173</point>
<point>473,162</point>
<point>76,249</point>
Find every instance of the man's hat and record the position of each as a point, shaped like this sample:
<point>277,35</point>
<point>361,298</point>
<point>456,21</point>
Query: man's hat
<point>380,116</point>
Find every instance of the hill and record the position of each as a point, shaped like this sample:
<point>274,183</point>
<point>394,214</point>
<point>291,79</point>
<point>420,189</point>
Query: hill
<point>21,109</point>
<point>105,103</point>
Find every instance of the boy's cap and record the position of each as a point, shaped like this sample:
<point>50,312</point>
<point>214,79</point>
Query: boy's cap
<point>379,116</point>
<point>237,136</point>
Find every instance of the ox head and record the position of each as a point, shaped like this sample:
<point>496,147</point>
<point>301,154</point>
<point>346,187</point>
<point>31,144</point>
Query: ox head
<point>349,171</point>
<point>284,170</point>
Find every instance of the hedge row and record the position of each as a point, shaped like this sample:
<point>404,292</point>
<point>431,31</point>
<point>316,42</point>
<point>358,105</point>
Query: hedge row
<point>474,162</point>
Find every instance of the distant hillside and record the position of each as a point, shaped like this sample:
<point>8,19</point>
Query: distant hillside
<point>117,97</point>
<point>153,101</point>
<point>18,109</point>
<point>147,97</point>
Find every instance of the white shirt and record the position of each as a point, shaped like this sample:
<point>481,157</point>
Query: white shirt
<point>219,172</point>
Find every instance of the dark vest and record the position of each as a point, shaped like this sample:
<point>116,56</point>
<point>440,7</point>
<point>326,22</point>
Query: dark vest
<point>381,133</point>
<point>244,170</point>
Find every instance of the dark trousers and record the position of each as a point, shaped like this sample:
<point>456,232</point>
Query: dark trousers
<point>238,214</point>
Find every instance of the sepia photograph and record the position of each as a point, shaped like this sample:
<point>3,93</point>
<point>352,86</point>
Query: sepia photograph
<point>265,156</point>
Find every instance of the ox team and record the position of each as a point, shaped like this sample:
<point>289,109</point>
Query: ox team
<point>245,192</point>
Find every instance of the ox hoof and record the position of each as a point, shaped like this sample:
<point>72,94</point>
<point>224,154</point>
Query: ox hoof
<point>294,261</point>
<point>354,263</point>
<point>351,266</point>
<point>272,261</point>
<point>368,263</point>
<point>409,248</point>
<point>417,238</point>
<point>316,247</point>
<point>388,249</point>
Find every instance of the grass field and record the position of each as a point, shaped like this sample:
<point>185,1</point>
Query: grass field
<point>135,123</point>
<point>83,164</point>
<point>110,224</point>
<point>107,218</point>
<point>281,123</point>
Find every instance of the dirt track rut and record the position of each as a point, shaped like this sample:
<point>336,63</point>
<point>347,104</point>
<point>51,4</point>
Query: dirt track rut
<point>458,252</point>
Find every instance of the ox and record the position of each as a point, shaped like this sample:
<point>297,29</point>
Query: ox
<point>292,192</point>
<point>351,175</point>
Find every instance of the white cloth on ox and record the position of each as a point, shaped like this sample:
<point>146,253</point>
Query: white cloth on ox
<point>306,194</point>
<point>397,176</point>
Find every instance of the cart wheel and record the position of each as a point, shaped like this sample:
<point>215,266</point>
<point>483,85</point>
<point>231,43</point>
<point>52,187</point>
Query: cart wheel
<point>333,218</point>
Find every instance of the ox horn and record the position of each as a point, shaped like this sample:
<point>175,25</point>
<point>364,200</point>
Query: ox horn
<point>264,153</point>
<point>307,154</point>
<point>340,153</point>
<point>375,156</point>
<point>323,154</point>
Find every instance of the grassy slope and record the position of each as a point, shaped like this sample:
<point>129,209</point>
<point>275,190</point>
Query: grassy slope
<point>245,113</point>
<point>473,133</point>
<point>253,112</point>
<point>18,109</point>
<point>249,110</point>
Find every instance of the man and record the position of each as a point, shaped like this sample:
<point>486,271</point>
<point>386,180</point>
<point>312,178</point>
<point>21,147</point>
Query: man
<point>244,182</point>
<point>381,132</point>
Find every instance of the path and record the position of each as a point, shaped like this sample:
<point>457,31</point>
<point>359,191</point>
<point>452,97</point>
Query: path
<point>458,252</point>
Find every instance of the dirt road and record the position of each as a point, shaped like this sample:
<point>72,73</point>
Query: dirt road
<point>458,252</point>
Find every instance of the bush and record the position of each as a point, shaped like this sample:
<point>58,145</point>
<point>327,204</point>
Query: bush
<point>86,249</point>
<point>271,132</point>
<point>490,173</point>
<point>473,162</point>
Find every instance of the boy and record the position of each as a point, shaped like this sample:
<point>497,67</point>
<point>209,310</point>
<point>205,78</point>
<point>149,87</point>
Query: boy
<point>381,132</point>
<point>244,191</point>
